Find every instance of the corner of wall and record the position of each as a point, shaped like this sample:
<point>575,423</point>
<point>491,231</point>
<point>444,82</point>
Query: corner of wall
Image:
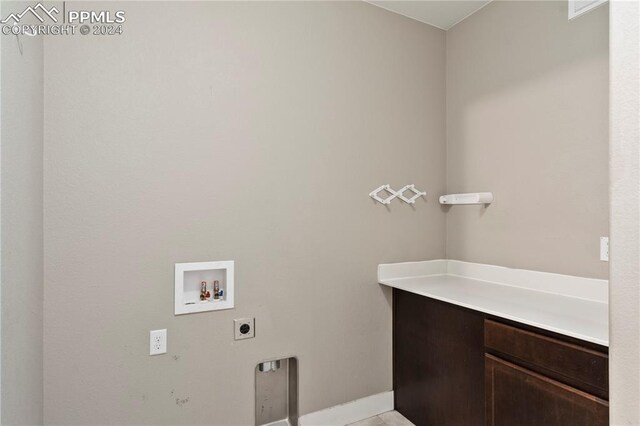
<point>624,349</point>
<point>21,225</point>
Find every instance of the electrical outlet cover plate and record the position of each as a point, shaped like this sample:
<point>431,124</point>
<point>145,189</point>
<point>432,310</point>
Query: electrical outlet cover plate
<point>158,342</point>
<point>604,249</point>
<point>244,328</point>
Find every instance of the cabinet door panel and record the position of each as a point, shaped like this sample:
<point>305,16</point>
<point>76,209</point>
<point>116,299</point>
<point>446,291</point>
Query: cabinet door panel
<point>438,362</point>
<point>517,396</point>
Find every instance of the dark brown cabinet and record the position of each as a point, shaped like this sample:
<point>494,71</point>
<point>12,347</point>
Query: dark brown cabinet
<point>517,396</point>
<point>438,362</point>
<point>456,366</point>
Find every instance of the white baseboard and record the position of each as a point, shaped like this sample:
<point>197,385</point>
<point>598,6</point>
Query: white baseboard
<point>350,412</point>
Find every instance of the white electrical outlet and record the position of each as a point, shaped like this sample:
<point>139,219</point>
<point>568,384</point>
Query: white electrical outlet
<point>158,342</point>
<point>604,249</point>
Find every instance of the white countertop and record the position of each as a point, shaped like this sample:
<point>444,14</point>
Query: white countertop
<point>572,306</point>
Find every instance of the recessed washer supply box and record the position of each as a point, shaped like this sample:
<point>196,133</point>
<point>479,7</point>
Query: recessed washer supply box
<point>187,286</point>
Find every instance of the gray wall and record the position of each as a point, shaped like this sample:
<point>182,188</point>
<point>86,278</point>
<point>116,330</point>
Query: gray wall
<point>527,118</point>
<point>624,291</point>
<point>253,132</point>
<point>21,228</point>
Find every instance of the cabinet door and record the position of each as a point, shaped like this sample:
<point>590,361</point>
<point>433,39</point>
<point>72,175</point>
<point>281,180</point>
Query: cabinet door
<point>517,396</point>
<point>438,362</point>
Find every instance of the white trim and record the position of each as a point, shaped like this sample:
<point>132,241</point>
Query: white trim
<point>350,412</point>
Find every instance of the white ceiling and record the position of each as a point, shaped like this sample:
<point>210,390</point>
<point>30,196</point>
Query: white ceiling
<point>443,14</point>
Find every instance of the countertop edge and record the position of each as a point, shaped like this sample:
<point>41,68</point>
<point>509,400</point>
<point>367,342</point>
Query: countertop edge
<point>593,289</point>
<point>394,284</point>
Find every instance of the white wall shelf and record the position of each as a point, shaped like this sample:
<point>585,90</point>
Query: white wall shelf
<point>188,279</point>
<point>469,198</point>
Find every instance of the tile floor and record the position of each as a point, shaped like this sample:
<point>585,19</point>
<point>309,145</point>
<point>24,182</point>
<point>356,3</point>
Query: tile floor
<point>391,418</point>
